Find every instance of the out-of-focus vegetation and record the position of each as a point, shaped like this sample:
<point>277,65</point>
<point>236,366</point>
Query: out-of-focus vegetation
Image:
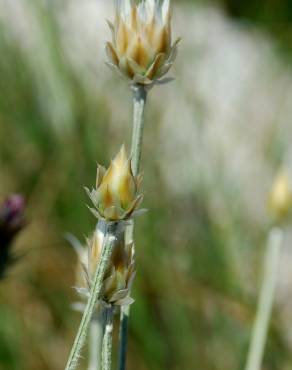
<point>213,141</point>
<point>273,17</point>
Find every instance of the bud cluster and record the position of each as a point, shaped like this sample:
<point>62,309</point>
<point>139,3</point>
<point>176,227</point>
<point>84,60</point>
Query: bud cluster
<point>120,272</point>
<point>116,198</point>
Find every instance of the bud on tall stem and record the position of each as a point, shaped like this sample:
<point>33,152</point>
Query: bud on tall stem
<point>279,204</point>
<point>141,49</point>
<point>116,196</point>
<point>280,197</point>
<point>266,300</point>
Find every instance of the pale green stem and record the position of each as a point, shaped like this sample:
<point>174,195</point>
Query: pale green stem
<point>106,356</point>
<point>109,230</point>
<point>95,343</point>
<point>266,299</point>
<point>139,101</point>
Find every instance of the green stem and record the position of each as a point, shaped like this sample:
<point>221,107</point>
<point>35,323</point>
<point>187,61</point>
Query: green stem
<point>95,343</point>
<point>106,356</point>
<point>266,299</point>
<point>139,101</point>
<point>109,230</point>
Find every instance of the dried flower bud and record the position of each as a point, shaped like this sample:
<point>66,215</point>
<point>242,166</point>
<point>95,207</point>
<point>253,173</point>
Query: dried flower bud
<point>11,222</point>
<point>119,275</point>
<point>116,195</point>
<point>280,198</point>
<point>141,48</point>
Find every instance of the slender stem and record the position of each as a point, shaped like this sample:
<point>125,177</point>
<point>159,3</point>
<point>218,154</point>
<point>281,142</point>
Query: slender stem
<point>106,356</point>
<point>266,299</point>
<point>139,101</point>
<point>124,321</point>
<point>109,231</point>
<point>95,343</point>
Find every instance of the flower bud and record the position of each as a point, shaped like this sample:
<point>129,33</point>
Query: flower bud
<point>141,48</point>
<point>280,198</point>
<point>116,195</point>
<point>119,275</point>
<point>120,272</point>
<point>11,222</point>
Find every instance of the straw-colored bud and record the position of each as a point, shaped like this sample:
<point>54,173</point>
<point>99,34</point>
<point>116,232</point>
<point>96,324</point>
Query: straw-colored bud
<point>280,198</point>
<point>116,196</point>
<point>141,48</point>
<point>120,273</point>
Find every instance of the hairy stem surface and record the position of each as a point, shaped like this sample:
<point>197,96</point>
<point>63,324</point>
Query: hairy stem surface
<point>109,231</point>
<point>266,299</point>
<point>139,101</point>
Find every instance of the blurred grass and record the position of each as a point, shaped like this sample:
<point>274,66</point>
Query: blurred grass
<point>193,307</point>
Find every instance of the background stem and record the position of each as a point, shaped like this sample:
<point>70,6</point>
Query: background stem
<point>95,343</point>
<point>266,299</point>
<point>109,231</point>
<point>139,101</point>
<point>124,321</point>
<point>106,356</point>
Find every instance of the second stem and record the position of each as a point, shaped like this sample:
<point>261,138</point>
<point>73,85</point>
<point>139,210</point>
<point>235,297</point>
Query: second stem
<point>266,300</point>
<point>106,356</point>
<point>139,101</point>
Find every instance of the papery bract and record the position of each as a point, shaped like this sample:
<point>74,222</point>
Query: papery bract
<point>141,49</point>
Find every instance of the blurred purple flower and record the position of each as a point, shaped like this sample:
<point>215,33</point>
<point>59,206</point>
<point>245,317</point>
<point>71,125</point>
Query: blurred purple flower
<point>11,222</point>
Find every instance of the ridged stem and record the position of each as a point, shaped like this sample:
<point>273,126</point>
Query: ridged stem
<point>106,356</point>
<point>266,299</point>
<point>139,101</point>
<point>109,230</point>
